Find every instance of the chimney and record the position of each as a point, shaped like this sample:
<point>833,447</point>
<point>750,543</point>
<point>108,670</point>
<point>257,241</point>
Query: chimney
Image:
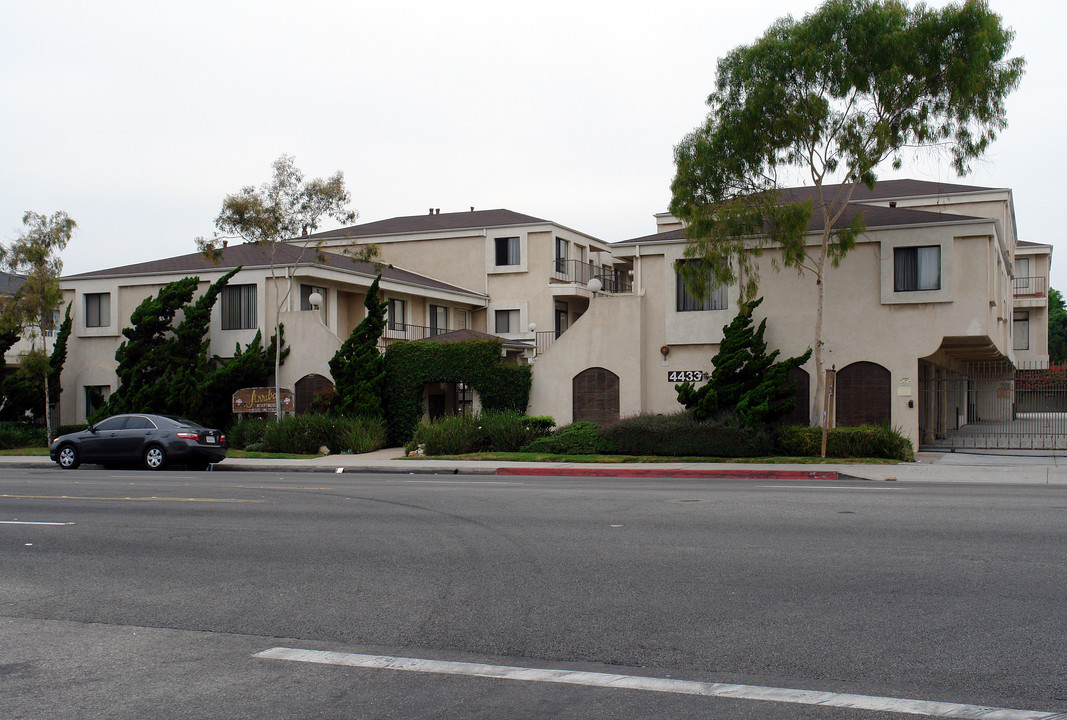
<point>892,203</point>
<point>437,211</point>
<point>472,208</point>
<point>431,211</point>
<point>225,243</point>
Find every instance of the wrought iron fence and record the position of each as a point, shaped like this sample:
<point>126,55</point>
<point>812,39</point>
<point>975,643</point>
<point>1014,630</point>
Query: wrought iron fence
<point>576,271</point>
<point>994,406</point>
<point>406,331</point>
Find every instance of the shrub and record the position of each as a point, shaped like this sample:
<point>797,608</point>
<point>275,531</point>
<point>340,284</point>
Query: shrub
<point>247,431</point>
<point>874,441</point>
<point>21,435</point>
<point>449,435</point>
<point>510,431</point>
<point>580,438</point>
<point>68,429</point>
<point>502,431</point>
<point>681,435</point>
<point>305,434</point>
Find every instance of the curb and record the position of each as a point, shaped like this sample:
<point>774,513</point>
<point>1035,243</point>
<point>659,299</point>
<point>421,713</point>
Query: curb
<point>660,473</point>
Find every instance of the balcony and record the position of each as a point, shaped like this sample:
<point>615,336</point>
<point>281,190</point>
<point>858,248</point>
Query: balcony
<point>1030,286</point>
<point>580,273</point>
<point>405,331</point>
<point>1030,292</point>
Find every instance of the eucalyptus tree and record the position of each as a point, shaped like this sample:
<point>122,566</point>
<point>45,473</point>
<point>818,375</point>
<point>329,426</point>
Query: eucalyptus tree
<point>284,211</point>
<point>32,309</point>
<point>832,97</point>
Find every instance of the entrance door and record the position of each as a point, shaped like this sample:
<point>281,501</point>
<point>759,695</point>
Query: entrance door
<point>595,396</point>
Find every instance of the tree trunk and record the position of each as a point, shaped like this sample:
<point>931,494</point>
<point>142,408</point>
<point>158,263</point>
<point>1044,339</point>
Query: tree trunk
<point>818,410</point>
<point>47,412</point>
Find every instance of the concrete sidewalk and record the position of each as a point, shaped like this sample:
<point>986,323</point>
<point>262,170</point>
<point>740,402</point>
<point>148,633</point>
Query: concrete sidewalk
<point>930,467</point>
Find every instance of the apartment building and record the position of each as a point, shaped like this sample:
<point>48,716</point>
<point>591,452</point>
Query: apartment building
<point>937,286</point>
<point>321,302</point>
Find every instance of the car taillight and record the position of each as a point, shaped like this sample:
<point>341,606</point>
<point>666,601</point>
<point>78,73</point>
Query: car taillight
<point>187,435</point>
<point>222,439</point>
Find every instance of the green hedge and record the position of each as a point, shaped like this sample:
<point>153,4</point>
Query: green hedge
<point>502,431</point>
<point>580,438</point>
<point>409,366</point>
<point>870,441</point>
<point>680,435</point>
<point>305,434</point>
<point>21,435</point>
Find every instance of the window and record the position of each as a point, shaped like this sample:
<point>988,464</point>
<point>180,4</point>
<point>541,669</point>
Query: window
<point>561,255</point>
<point>507,251</point>
<point>917,268</point>
<point>438,319</point>
<point>461,320</point>
<point>239,307</point>
<point>507,321</point>
<point>97,309</point>
<point>1023,282</point>
<point>138,422</point>
<point>1021,329</point>
<point>49,323</point>
<point>396,315</point>
<point>687,301</point>
<point>95,397</point>
<point>306,291</point>
<point>112,423</point>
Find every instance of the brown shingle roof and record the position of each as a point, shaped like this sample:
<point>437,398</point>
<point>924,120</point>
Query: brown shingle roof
<point>251,256</point>
<point>874,216</point>
<point>9,284</point>
<point>474,219</point>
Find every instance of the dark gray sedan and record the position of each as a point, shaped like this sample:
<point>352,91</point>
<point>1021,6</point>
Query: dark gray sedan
<point>151,440</point>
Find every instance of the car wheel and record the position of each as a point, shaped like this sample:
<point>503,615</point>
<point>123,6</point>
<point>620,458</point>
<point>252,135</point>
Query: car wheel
<point>155,458</point>
<point>68,457</point>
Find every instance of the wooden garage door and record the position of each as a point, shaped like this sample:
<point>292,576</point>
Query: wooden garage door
<point>307,388</point>
<point>863,394</point>
<point>595,395</point>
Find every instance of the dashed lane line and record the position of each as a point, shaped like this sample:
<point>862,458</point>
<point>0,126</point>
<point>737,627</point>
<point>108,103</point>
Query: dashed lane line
<point>664,685</point>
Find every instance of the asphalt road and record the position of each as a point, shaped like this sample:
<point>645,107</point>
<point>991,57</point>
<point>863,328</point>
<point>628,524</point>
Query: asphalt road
<point>154,595</point>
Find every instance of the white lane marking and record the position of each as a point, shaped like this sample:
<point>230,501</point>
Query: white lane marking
<point>826,487</point>
<point>681,687</point>
<point>20,522</point>
<point>463,482</point>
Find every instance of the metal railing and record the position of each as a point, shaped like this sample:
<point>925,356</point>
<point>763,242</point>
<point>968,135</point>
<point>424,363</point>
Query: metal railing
<point>1030,286</point>
<point>995,406</point>
<point>576,271</point>
<point>407,331</point>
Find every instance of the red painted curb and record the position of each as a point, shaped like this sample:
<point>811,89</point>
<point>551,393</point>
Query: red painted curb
<point>651,473</point>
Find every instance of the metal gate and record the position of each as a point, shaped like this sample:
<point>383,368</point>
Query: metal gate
<point>993,406</point>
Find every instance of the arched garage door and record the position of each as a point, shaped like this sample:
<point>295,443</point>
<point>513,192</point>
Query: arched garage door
<point>306,389</point>
<point>595,395</point>
<point>863,394</point>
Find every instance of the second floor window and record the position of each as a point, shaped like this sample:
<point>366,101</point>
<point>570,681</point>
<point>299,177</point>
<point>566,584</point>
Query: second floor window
<point>917,268</point>
<point>438,319</point>
<point>507,251</point>
<point>561,255</point>
<point>396,315</point>
<point>507,321</point>
<point>687,300</point>
<point>239,307</point>
<point>306,291</point>
<point>97,309</point>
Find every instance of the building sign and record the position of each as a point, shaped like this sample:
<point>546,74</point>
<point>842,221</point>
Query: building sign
<point>261,400</point>
<point>687,376</point>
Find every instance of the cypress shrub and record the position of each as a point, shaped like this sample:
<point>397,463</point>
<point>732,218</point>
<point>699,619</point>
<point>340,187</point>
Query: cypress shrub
<point>873,441</point>
<point>580,438</point>
<point>21,435</point>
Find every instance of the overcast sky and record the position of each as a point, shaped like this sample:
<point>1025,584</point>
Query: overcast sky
<point>137,118</point>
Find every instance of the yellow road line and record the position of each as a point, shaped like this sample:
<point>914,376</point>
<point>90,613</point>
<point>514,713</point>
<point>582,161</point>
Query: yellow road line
<point>132,499</point>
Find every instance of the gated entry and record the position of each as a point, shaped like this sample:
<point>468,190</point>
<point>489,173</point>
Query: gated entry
<point>994,406</point>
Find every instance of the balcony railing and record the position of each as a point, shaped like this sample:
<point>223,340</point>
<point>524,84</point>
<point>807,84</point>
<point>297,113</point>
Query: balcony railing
<point>576,271</point>
<point>406,331</point>
<point>1030,286</point>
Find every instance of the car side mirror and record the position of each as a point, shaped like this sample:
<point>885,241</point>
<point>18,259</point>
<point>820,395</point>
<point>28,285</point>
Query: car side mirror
<point>92,429</point>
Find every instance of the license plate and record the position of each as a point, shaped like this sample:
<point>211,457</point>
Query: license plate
<point>211,439</point>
